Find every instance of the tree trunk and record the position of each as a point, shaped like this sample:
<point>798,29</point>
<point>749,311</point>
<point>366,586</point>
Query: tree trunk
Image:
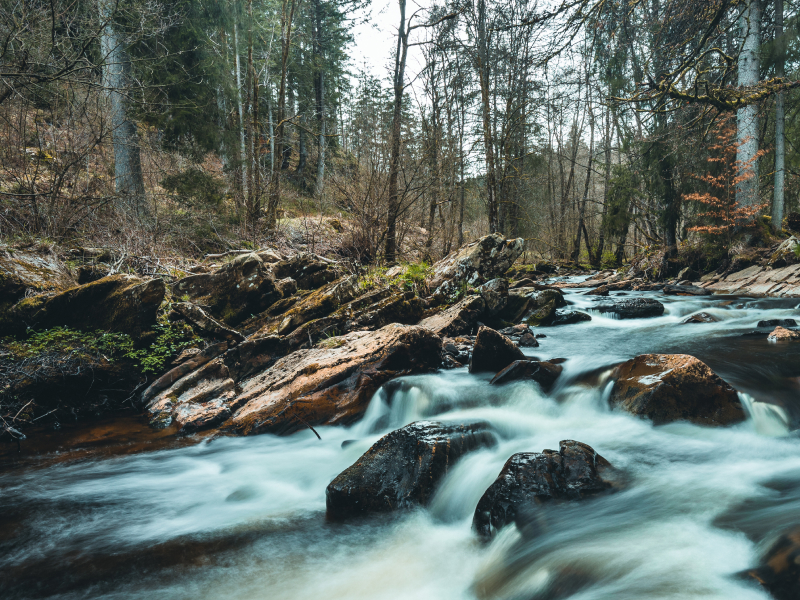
<point>240,104</point>
<point>747,117</point>
<point>482,67</point>
<point>128,178</point>
<point>390,250</point>
<point>780,117</point>
<point>319,93</point>
<point>601,241</point>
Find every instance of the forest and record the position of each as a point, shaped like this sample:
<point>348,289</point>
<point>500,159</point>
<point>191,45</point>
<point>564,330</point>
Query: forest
<point>597,130</point>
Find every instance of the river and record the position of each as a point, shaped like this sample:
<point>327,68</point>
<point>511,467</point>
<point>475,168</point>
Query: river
<point>245,517</point>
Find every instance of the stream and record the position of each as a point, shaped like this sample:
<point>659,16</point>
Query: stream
<point>245,517</point>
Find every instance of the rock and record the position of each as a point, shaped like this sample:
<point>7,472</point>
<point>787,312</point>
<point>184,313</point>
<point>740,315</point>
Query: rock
<point>474,264</point>
<point>184,368</point>
<point>777,323</point>
<point>121,303</point>
<point>399,307</point>
<point>689,274</point>
<point>631,308</point>
<point>495,295</point>
<point>528,479</point>
<point>781,334</point>
<point>198,317</point>
<point>287,287</point>
<point>319,304</point>
<point>569,317</point>
<point>30,272</point>
<point>779,571</point>
<point>758,281</point>
<point>521,283</point>
<point>237,290</point>
<point>685,290</point>
<point>199,400</point>
<point>542,372</point>
<point>701,317</point>
<point>90,273</point>
<point>185,355</point>
<point>309,271</point>
<point>786,253</point>
<point>493,352</point>
<point>528,340</point>
<point>598,291</point>
<point>458,319</point>
<point>270,256</point>
<point>674,387</point>
<point>403,468</point>
<point>450,362</point>
<point>542,305</point>
<point>333,382</point>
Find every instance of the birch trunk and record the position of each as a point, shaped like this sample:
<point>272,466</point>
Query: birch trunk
<point>747,117</point>
<point>780,117</point>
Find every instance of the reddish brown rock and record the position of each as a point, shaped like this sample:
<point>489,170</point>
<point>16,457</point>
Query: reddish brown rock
<point>333,382</point>
<point>781,334</point>
<point>542,372</point>
<point>674,387</point>
<point>403,468</point>
<point>779,572</point>
<point>457,319</point>
<point>493,352</point>
<point>573,472</point>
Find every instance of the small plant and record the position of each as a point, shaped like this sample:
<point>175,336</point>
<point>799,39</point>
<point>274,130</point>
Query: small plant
<point>171,339</point>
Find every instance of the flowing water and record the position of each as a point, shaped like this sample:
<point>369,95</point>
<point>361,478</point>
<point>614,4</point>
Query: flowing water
<point>245,517</point>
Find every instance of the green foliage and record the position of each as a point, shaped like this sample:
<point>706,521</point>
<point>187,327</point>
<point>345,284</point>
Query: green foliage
<point>413,277</point>
<point>171,339</point>
<point>112,346</point>
<point>608,260</point>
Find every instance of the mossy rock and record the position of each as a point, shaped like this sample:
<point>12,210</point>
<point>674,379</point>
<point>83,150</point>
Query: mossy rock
<point>25,271</point>
<point>121,303</point>
<point>543,315</point>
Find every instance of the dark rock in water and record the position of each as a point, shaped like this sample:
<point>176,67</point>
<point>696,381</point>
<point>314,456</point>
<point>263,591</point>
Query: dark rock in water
<point>701,317</point>
<point>522,283</point>
<point>403,468</point>
<point>458,319</point>
<point>528,340</point>
<point>674,387</point>
<point>450,362</point>
<point>569,317</point>
<point>557,361</point>
<point>777,323</point>
<point>540,336</point>
<point>779,572</point>
<point>598,291</point>
<point>575,472</point>
<point>631,308</point>
<point>493,352</point>
<point>235,291</point>
<point>685,290</point>
<point>543,373</point>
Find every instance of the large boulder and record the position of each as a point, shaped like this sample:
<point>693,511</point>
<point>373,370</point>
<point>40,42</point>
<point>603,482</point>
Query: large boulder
<point>309,271</point>
<point>542,372</point>
<point>333,382</point>
<point>474,264</point>
<point>674,387</point>
<point>495,295</point>
<point>685,290</point>
<point>120,303</point>
<point>403,468</point>
<point>493,352</point>
<point>569,317</point>
<point>457,319</point>
<point>542,305</point>
<point>30,272</point>
<point>779,571</point>
<point>630,308</point>
<point>237,290</point>
<point>528,479</point>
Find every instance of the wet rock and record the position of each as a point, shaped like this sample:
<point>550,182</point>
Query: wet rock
<point>685,290</point>
<point>674,387</point>
<point>457,319</point>
<point>528,340</point>
<point>701,317</point>
<point>599,291</point>
<point>191,417</point>
<point>403,468</point>
<point>495,295</point>
<point>542,372</point>
<point>198,317</point>
<point>450,362</point>
<point>688,273</point>
<point>542,315</point>
<point>779,571</point>
<point>777,323</point>
<point>237,290</point>
<point>30,272</point>
<point>528,479</point>
<point>309,271</point>
<point>493,352</point>
<point>184,368</point>
<point>631,308</point>
<point>521,283</point>
<point>333,382</point>
<point>541,305</point>
<point>781,334</point>
<point>569,317</point>
<point>121,303</point>
<point>474,264</point>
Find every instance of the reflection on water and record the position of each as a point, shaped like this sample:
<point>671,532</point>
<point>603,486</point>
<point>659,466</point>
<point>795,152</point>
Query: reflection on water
<point>244,517</point>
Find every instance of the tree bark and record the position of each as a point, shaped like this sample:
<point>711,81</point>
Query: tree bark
<point>747,117</point>
<point>482,67</point>
<point>319,93</point>
<point>240,104</point>
<point>780,118</point>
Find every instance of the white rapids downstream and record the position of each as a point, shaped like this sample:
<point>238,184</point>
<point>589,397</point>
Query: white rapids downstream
<point>245,517</point>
